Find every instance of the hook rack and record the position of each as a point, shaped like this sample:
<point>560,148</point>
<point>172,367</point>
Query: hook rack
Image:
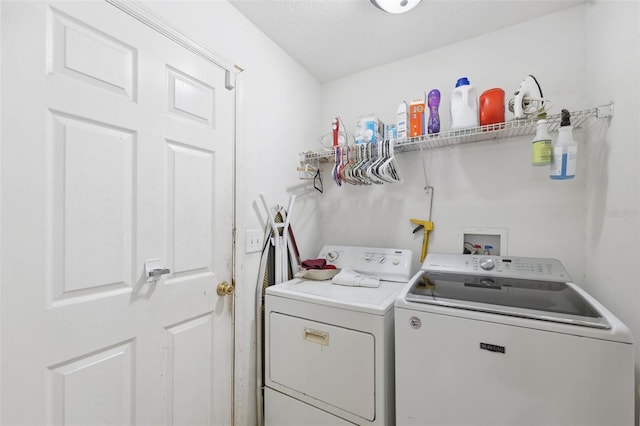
<point>307,171</point>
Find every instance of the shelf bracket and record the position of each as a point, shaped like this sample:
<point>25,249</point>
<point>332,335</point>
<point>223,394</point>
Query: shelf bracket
<point>604,111</point>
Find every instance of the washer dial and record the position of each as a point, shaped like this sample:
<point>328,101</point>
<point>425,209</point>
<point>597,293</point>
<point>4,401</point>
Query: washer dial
<point>487,263</point>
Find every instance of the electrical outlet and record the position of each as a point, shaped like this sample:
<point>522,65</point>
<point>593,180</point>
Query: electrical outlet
<point>254,240</point>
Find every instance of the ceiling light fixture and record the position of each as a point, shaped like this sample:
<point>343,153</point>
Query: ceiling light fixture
<point>395,6</point>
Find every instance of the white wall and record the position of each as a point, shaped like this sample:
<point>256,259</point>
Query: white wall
<point>490,184</point>
<point>582,59</point>
<point>273,129</point>
<point>613,189</point>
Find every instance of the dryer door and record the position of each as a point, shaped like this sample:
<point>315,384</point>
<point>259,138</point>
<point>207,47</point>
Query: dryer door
<point>333,365</point>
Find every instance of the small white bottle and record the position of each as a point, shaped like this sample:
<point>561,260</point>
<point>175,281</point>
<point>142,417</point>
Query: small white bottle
<point>401,121</point>
<point>565,151</point>
<point>541,144</point>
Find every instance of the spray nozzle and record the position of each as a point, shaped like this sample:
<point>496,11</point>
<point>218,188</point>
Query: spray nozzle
<point>566,118</point>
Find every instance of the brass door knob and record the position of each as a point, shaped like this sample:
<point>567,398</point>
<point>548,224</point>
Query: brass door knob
<point>225,288</point>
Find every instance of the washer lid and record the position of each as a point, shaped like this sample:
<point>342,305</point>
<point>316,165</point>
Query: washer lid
<point>542,300</point>
<point>377,300</point>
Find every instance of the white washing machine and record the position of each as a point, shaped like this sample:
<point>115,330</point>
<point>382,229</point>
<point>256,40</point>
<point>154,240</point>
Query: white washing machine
<point>329,356</point>
<point>489,340</point>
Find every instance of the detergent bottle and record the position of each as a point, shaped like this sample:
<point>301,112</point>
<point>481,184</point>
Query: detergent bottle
<point>433,102</point>
<point>464,105</point>
<point>541,144</point>
<point>564,151</point>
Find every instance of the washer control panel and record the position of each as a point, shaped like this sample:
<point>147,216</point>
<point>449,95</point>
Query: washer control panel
<point>534,268</point>
<point>387,264</point>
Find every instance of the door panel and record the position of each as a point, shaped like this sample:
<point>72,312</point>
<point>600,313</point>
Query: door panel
<point>116,150</point>
<point>190,202</point>
<point>190,342</point>
<point>190,98</point>
<point>80,51</point>
<point>92,172</point>
<point>99,385</point>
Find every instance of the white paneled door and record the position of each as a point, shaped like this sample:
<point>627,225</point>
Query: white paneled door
<point>116,150</point>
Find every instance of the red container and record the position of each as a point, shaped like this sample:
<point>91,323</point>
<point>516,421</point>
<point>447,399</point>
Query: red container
<point>491,107</point>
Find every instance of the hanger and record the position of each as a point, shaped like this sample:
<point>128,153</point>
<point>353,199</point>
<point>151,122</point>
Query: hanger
<point>317,182</point>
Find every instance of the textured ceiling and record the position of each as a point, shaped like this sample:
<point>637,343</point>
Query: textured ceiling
<point>336,38</point>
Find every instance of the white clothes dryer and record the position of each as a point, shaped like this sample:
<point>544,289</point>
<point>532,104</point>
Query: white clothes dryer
<point>329,356</point>
<point>490,340</point>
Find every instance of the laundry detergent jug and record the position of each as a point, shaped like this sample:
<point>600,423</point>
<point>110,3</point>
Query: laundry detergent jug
<point>464,105</point>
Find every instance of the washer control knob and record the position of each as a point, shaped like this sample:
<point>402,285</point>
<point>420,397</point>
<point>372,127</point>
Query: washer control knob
<point>487,263</point>
<point>382,259</point>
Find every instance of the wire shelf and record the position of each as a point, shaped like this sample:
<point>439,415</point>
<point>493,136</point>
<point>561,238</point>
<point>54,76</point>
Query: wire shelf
<point>505,130</point>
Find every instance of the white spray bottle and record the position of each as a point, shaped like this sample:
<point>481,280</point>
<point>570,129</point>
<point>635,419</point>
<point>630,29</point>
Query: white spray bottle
<point>565,151</point>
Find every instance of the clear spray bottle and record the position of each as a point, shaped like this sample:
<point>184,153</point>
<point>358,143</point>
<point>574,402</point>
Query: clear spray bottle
<point>565,151</point>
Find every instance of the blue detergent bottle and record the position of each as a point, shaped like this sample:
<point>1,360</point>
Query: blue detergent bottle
<point>464,105</point>
<point>564,152</point>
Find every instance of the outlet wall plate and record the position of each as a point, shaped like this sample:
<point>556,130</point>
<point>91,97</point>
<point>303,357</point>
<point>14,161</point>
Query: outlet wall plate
<point>255,239</point>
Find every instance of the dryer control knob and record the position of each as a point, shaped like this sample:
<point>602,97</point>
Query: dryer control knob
<point>487,263</point>
<point>332,256</point>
